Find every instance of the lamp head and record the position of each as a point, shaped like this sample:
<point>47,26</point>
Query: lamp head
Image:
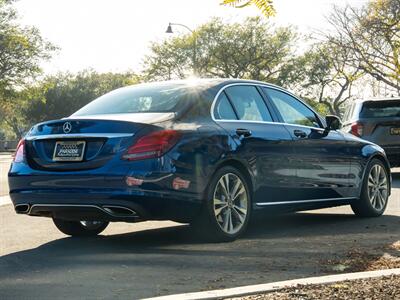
<point>169,29</point>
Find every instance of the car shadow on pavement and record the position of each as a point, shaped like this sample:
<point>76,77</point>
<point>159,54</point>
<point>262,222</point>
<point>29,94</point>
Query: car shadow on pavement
<point>274,248</point>
<point>300,227</point>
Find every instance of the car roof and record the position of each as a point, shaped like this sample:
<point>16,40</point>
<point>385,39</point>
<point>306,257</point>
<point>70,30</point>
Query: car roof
<point>210,82</point>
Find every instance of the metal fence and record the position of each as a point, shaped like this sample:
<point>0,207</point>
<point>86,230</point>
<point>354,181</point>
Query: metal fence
<point>8,145</point>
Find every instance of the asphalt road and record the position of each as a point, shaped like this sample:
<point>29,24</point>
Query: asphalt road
<point>131,261</point>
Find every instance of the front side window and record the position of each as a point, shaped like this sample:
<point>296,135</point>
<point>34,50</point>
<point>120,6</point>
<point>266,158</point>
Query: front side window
<point>292,110</point>
<point>248,103</point>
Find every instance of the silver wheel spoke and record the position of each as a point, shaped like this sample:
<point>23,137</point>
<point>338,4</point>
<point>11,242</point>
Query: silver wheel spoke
<point>240,209</point>
<point>219,210</point>
<point>377,173</point>
<point>373,201</point>
<point>219,202</point>
<point>230,216</point>
<point>226,182</point>
<point>226,220</point>
<point>223,187</point>
<point>371,182</point>
<point>380,200</point>
<point>377,187</point>
<point>230,221</point>
<point>235,189</point>
<point>241,191</point>
<point>240,216</point>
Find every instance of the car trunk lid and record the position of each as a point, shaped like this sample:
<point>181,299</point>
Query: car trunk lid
<point>381,121</point>
<point>86,142</point>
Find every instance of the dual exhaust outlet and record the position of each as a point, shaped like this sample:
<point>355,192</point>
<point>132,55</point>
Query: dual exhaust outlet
<point>115,211</point>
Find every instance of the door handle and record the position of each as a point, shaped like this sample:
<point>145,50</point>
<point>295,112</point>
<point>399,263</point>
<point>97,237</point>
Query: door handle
<point>300,133</point>
<point>243,132</point>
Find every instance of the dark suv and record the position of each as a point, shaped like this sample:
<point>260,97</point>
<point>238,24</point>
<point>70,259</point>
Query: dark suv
<point>377,121</point>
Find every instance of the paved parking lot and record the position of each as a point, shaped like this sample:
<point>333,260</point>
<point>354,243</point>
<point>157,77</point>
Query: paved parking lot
<point>157,258</point>
<point>5,160</point>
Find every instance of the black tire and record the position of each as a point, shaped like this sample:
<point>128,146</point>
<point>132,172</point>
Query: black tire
<point>207,224</point>
<point>364,207</point>
<point>76,228</point>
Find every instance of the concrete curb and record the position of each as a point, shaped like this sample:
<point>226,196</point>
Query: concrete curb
<point>270,287</point>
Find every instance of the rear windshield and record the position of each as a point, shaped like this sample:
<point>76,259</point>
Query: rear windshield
<point>138,99</point>
<point>381,109</point>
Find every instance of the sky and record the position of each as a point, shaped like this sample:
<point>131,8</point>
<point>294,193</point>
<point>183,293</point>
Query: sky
<point>114,35</point>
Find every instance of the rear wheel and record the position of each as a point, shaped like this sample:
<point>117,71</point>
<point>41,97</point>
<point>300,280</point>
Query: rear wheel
<point>227,208</point>
<point>375,191</point>
<point>80,228</point>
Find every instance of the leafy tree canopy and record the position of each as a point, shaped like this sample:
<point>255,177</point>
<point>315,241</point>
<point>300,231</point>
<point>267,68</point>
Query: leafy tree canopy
<point>252,49</point>
<point>21,50</point>
<point>372,35</point>
<point>59,96</point>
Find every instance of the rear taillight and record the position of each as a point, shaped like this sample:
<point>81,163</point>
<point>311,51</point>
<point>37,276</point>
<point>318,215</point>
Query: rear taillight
<point>152,145</point>
<point>19,155</point>
<point>357,129</point>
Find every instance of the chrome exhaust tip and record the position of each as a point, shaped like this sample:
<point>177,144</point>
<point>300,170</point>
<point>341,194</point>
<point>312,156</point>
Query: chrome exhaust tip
<point>22,208</point>
<point>119,211</point>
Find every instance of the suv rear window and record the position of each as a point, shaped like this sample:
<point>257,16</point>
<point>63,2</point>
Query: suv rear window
<point>381,109</point>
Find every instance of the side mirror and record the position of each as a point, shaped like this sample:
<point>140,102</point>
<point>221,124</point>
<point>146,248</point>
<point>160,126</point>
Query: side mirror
<point>333,122</point>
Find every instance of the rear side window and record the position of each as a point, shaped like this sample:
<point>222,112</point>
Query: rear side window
<point>224,110</point>
<point>248,103</point>
<point>381,109</point>
<point>292,110</point>
<point>349,113</point>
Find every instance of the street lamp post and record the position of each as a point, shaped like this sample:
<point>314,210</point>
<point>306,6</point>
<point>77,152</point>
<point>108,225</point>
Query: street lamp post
<point>169,30</point>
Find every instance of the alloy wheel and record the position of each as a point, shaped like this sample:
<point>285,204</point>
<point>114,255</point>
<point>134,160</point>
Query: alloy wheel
<point>91,225</point>
<point>377,187</point>
<point>230,203</point>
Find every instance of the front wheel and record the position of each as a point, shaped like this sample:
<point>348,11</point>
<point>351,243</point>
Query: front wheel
<point>375,191</point>
<point>227,206</point>
<point>80,228</point>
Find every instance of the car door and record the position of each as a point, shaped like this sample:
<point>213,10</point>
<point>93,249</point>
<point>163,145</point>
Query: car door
<point>261,144</point>
<point>322,157</point>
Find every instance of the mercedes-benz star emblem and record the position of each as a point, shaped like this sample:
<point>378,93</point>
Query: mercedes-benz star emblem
<point>67,127</point>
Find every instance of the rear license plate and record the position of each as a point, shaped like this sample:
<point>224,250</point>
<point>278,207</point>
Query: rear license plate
<point>395,131</point>
<point>69,151</point>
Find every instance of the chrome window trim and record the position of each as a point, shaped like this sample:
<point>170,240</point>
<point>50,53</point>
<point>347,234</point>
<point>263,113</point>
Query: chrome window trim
<point>261,122</point>
<point>303,201</point>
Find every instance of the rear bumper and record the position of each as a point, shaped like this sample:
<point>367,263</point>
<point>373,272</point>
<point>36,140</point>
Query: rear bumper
<point>110,206</point>
<point>88,195</point>
<point>78,212</point>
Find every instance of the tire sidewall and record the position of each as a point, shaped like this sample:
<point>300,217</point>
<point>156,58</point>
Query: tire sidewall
<point>75,228</point>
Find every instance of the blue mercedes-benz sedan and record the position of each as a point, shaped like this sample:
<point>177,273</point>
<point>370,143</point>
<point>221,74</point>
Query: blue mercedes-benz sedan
<point>209,152</point>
